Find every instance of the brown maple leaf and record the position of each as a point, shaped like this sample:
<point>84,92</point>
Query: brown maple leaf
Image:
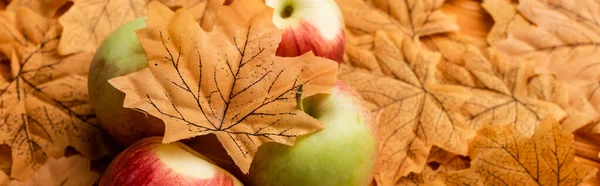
<point>506,17</point>
<point>73,170</point>
<point>227,82</point>
<point>416,111</point>
<point>413,18</point>
<point>439,162</point>
<point>500,88</point>
<point>43,105</point>
<point>88,22</point>
<point>46,8</point>
<point>563,35</point>
<point>503,156</point>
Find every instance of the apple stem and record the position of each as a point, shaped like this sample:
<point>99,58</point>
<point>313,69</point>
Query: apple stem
<point>299,97</point>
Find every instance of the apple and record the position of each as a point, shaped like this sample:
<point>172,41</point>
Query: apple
<point>121,53</point>
<point>343,153</point>
<point>307,25</point>
<point>149,162</point>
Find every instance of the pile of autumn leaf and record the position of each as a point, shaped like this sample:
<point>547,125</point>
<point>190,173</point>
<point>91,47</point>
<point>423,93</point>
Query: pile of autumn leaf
<point>460,111</point>
<point>451,110</point>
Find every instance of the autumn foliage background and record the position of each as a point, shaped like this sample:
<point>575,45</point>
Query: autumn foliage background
<point>473,88</point>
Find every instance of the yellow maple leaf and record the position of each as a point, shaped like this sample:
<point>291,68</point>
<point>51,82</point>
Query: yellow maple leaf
<point>501,155</point>
<point>416,112</point>
<point>506,17</point>
<point>73,170</point>
<point>88,22</point>
<point>227,82</point>
<point>500,88</point>
<point>439,162</point>
<point>44,105</point>
<point>563,35</point>
<point>413,18</point>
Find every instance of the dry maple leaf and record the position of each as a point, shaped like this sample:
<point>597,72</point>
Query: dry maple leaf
<point>46,8</point>
<point>43,105</point>
<point>88,22</point>
<point>455,49</point>
<point>413,18</point>
<point>439,162</point>
<point>416,111</point>
<point>506,18</point>
<point>499,88</point>
<point>227,82</point>
<point>566,35</point>
<point>501,155</point>
<point>73,170</point>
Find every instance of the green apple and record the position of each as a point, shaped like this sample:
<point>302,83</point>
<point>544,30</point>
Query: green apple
<point>121,53</point>
<point>343,153</point>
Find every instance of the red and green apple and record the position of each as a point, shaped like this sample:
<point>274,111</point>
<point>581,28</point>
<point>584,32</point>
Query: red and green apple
<point>309,25</point>
<point>149,162</point>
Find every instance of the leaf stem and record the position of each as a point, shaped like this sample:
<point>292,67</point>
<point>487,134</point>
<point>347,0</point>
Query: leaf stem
<point>299,97</point>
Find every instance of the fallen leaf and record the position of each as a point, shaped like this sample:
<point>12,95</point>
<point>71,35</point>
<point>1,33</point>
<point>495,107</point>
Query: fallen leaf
<point>88,22</point>
<point>439,162</point>
<point>416,111</point>
<point>73,170</point>
<point>413,18</point>
<point>506,18</point>
<point>227,82</point>
<point>44,105</point>
<point>546,87</point>
<point>501,155</point>
<point>566,35</point>
<point>500,91</point>
<point>46,8</point>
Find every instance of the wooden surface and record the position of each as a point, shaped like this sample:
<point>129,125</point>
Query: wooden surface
<point>475,22</point>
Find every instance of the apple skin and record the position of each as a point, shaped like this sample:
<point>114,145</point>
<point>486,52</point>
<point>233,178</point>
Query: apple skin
<point>316,25</point>
<point>149,162</point>
<point>343,153</point>
<point>121,53</point>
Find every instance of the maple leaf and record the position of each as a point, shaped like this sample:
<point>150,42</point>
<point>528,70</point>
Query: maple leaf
<point>506,17</point>
<point>72,170</point>
<point>413,18</point>
<point>43,106</point>
<point>500,88</point>
<point>503,156</point>
<point>439,162</point>
<point>227,82</point>
<point>563,35</point>
<point>88,22</point>
<point>46,8</point>
<point>416,112</point>
<point>546,87</point>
